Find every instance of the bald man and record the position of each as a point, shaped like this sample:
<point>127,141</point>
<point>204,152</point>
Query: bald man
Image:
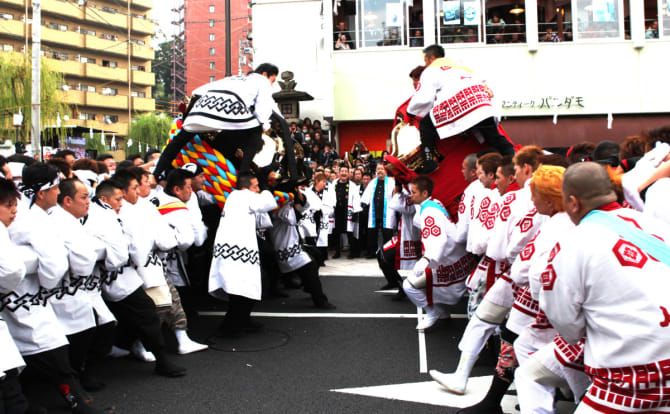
<point>608,279</point>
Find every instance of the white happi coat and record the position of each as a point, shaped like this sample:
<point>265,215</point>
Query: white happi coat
<point>503,291</point>
<point>235,102</point>
<point>449,263</point>
<point>368,198</point>
<point>189,230</point>
<point>656,202</point>
<point>353,204</point>
<point>285,240</point>
<point>12,272</point>
<point>466,210</point>
<point>127,280</point>
<point>235,263</point>
<point>408,240</point>
<point>307,223</point>
<point>325,227</point>
<point>486,209</point>
<point>27,311</point>
<point>513,206</point>
<point>103,223</point>
<point>599,284</point>
<point>148,235</point>
<point>453,96</point>
<point>531,325</point>
<point>74,309</point>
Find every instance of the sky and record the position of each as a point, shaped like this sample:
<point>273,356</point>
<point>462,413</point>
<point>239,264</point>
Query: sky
<point>163,15</point>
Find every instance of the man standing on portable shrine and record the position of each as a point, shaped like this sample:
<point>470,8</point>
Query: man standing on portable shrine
<point>238,106</point>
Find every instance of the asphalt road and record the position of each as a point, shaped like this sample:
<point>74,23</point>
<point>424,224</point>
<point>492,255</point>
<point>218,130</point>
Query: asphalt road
<point>292,365</point>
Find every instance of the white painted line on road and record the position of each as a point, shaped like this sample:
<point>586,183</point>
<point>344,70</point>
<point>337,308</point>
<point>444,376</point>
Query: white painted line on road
<point>329,315</point>
<point>423,361</point>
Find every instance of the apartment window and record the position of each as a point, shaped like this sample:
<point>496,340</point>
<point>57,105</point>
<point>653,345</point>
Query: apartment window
<point>109,64</point>
<point>110,91</point>
<point>212,51</point>
<point>86,31</point>
<point>7,48</point>
<point>138,94</point>
<point>56,26</point>
<point>84,59</point>
<point>211,22</point>
<point>211,8</point>
<point>86,88</point>
<point>212,65</point>
<point>212,78</point>
<point>65,87</point>
<point>211,37</point>
<point>7,16</point>
<point>110,119</point>
<point>138,67</point>
<point>86,116</point>
<point>109,10</point>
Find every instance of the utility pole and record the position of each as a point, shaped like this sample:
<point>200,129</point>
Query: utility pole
<point>228,40</point>
<point>130,74</point>
<point>36,87</point>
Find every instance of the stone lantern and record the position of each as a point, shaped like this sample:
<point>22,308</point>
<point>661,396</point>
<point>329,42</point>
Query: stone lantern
<point>288,99</point>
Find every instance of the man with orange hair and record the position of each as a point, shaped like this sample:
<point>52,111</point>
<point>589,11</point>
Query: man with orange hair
<point>536,347</point>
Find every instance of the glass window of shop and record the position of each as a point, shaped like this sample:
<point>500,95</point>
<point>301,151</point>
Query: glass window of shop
<point>554,21</point>
<point>375,23</point>
<point>474,21</point>
<point>657,19</point>
<point>598,19</point>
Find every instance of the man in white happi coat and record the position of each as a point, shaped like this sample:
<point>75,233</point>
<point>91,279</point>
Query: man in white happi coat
<point>608,280</point>
<point>125,295</point>
<point>27,309</point>
<point>322,217</point>
<point>292,258</point>
<point>169,231</point>
<point>344,198</point>
<point>381,217</point>
<point>439,276</point>
<point>466,207</point>
<point>12,272</point>
<point>238,106</point>
<point>403,250</point>
<point>235,269</point>
<point>452,99</point>
<point>86,320</point>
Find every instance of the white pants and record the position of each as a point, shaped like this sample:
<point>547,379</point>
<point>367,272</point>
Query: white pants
<point>416,295</point>
<point>477,332</point>
<point>533,397</point>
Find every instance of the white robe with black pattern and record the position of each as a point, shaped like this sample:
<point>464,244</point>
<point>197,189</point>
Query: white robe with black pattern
<point>235,267</point>
<point>284,234</point>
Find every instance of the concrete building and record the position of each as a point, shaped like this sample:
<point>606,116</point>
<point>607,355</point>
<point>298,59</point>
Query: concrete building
<point>107,78</point>
<point>205,40</point>
<point>560,69</point>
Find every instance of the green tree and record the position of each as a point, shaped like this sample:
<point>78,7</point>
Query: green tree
<point>148,129</point>
<point>15,93</point>
<point>162,67</point>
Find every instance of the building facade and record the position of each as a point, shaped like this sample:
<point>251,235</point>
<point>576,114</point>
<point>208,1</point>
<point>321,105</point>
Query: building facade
<point>205,40</point>
<point>562,71</point>
<point>107,77</point>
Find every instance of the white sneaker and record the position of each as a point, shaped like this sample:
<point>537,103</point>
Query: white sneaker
<point>427,321</point>
<point>139,352</point>
<point>117,352</point>
<point>452,382</point>
<point>186,344</point>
